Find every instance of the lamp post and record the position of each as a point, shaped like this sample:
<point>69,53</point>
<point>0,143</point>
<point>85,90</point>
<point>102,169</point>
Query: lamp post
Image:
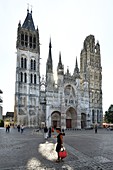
<point>48,121</point>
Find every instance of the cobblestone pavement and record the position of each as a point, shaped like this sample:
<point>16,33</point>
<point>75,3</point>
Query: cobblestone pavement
<point>29,151</point>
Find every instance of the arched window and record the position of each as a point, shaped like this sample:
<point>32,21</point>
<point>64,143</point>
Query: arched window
<point>31,64</point>
<point>34,65</point>
<point>98,116</point>
<point>21,77</point>
<point>25,77</point>
<point>34,42</point>
<point>22,39</point>
<point>35,79</point>
<point>31,78</point>
<point>30,41</point>
<point>22,62</point>
<point>25,63</point>
<point>26,40</point>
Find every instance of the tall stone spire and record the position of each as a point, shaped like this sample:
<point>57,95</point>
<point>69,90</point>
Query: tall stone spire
<point>60,67</point>
<point>28,23</point>
<point>49,65</point>
<point>76,70</point>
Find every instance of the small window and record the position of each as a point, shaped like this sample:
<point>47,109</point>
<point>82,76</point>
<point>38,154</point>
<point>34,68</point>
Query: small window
<point>22,62</point>
<point>34,65</point>
<point>31,64</point>
<point>31,78</point>
<point>30,43</point>
<point>34,42</point>
<point>25,77</point>
<point>26,40</point>
<point>35,79</point>
<point>21,77</point>
<point>22,39</point>
<point>25,63</point>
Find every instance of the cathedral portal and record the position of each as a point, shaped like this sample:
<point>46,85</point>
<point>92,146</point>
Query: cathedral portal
<point>56,119</point>
<point>71,118</point>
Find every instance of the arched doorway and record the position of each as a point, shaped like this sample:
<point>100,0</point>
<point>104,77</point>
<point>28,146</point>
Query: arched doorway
<point>83,120</point>
<point>56,119</point>
<point>71,118</point>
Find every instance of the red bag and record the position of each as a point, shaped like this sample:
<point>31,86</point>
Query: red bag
<point>62,154</point>
<point>52,129</point>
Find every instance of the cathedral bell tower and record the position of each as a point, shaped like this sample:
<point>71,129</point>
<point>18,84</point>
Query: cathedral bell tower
<point>27,89</point>
<point>91,71</point>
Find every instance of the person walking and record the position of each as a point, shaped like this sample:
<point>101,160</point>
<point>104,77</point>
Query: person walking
<point>18,127</point>
<point>45,132</point>
<point>59,143</point>
<point>8,128</point>
<point>22,129</point>
<point>49,133</point>
<point>96,128</point>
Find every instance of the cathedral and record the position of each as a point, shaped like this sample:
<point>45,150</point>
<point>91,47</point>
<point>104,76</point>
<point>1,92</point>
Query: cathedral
<point>74,101</point>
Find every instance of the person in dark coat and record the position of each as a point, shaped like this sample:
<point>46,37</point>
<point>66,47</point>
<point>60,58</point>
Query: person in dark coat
<point>49,133</point>
<point>59,142</point>
<point>96,128</point>
<point>18,127</point>
<point>45,132</point>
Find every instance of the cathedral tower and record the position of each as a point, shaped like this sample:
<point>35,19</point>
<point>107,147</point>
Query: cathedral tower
<point>27,89</point>
<point>91,71</point>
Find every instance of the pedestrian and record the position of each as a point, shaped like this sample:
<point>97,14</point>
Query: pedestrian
<point>59,143</point>
<point>63,133</point>
<point>96,128</point>
<point>8,128</point>
<point>45,132</point>
<point>49,133</point>
<point>18,127</point>
<point>22,129</point>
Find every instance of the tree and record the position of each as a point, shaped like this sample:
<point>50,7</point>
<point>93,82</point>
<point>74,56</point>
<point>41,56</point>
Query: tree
<point>1,123</point>
<point>109,115</point>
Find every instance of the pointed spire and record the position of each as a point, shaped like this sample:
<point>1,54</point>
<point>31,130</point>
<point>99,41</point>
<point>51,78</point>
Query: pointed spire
<point>31,9</point>
<point>60,58</point>
<point>76,63</point>
<point>50,46</point>
<point>97,47</point>
<point>76,70</point>
<point>19,24</point>
<point>67,70</point>
<point>27,8</point>
<point>60,68</point>
<point>50,54</point>
<point>28,23</point>
<point>49,60</point>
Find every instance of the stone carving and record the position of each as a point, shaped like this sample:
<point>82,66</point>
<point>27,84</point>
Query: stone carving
<point>85,85</point>
<point>31,112</point>
<point>21,112</point>
<point>97,47</point>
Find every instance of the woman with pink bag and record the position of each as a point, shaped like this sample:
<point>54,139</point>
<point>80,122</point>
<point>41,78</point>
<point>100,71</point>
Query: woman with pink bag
<point>59,145</point>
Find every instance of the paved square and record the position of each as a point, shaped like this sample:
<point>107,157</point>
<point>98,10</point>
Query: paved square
<point>30,151</point>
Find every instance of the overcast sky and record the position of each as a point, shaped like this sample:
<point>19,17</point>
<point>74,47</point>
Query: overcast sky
<point>67,22</point>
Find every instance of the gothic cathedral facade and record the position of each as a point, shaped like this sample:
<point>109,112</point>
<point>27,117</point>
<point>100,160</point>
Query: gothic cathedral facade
<point>74,101</point>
